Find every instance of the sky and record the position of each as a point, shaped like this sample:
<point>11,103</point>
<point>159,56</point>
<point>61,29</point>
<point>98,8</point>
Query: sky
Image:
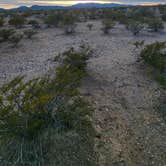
<point>16,3</point>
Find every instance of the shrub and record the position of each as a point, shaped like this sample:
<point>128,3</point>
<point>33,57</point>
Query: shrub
<point>53,20</point>
<point>139,44</point>
<point>135,27</point>
<point>161,105</point>
<point>155,55</point>
<point>23,118</point>
<point>90,26</point>
<point>164,16</point>
<point>17,21</point>
<point>73,68</point>
<point>69,24</point>
<point>34,24</point>
<point>6,33</point>
<point>155,25</point>
<point>15,39</point>
<point>107,25</point>
<point>42,119</point>
<point>1,21</point>
<point>69,29</point>
<point>29,33</point>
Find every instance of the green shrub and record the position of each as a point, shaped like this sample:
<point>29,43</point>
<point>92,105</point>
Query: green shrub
<point>107,25</point>
<point>135,27</point>
<point>53,20</point>
<point>69,29</point>
<point>15,39</point>
<point>69,24</point>
<point>155,25</point>
<point>34,23</point>
<point>139,44</point>
<point>161,106</point>
<point>164,16</point>
<point>155,55</point>
<point>29,33</point>
<point>17,21</point>
<point>5,34</point>
<point>1,21</point>
<point>43,122</point>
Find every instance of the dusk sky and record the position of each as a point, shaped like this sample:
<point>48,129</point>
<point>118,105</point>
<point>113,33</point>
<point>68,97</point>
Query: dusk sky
<point>16,3</point>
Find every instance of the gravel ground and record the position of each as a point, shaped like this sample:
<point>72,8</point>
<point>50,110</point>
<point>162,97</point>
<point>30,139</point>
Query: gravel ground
<point>129,132</point>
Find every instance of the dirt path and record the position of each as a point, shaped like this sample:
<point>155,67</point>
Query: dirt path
<point>121,91</point>
<point>130,133</point>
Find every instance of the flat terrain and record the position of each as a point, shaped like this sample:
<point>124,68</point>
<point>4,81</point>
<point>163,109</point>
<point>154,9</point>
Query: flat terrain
<point>123,93</point>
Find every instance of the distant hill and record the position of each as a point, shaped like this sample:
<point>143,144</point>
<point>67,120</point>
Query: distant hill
<point>2,10</point>
<point>76,6</point>
<point>36,7</point>
<point>98,5</point>
<point>21,8</point>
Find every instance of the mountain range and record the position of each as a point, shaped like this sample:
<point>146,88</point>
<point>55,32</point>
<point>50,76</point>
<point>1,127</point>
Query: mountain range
<point>76,6</point>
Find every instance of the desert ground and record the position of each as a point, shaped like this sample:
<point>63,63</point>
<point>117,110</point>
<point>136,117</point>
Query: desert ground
<point>119,86</point>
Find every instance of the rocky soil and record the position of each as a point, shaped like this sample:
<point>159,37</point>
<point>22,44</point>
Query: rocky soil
<point>123,93</point>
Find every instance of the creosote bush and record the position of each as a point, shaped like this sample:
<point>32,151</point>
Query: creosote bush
<point>161,106</point>
<point>15,39</point>
<point>69,24</point>
<point>164,16</point>
<point>45,118</point>
<point>17,21</point>
<point>139,44</point>
<point>53,20</point>
<point>155,55</point>
<point>1,21</point>
<point>34,24</point>
<point>107,25</point>
<point>29,33</point>
<point>5,34</point>
<point>155,25</point>
<point>135,27</point>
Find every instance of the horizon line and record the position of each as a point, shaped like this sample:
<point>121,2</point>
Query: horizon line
<point>11,6</point>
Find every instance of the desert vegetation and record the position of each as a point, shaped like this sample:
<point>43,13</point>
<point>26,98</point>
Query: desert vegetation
<point>17,21</point>
<point>90,26</point>
<point>1,21</point>
<point>107,26</point>
<point>5,34</point>
<point>37,113</point>
<point>155,25</point>
<point>15,39</point>
<point>155,55</point>
<point>29,33</point>
<point>83,87</point>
